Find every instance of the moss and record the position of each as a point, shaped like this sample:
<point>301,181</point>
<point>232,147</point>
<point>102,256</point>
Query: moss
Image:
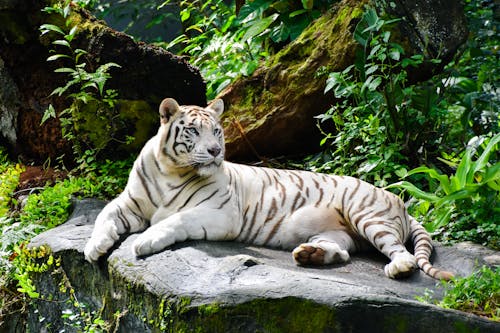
<point>396,324</point>
<point>265,315</point>
<point>328,42</point>
<point>99,126</point>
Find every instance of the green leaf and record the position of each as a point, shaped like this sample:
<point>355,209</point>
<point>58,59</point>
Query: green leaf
<point>464,173</point>
<point>457,195</point>
<point>297,13</point>
<point>73,30</point>
<point>64,70</point>
<point>441,221</point>
<point>444,181</point>
<point>394,54</point>
<point>492,174</point>
<point>58,56</point>
<point>185,15</point>
<point>50,112</point>
<point>371,83</point>
<point>482,161</point>
<point>258,27</point>
<point>415,191</point>
<point>62,42</point>
<point>371,69</point>
<point>307,4</point>
<point>45,28</point>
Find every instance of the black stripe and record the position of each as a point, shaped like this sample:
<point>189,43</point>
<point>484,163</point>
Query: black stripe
<point>135,202</point>
<point>148,192</point>
<point>194,193</point>
<point>208,198</point>
<point>252,223</point>
<point>274,230</point>
<point>123,219</point>
<point>225,201</point>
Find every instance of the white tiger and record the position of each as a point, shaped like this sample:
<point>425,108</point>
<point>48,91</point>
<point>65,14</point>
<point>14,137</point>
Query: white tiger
<point>181,188</point>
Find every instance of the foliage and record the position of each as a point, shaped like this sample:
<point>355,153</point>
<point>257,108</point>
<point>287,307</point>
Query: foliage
<point>43,210</point>
<point>82,86</point>
<point>380,119</point>
<point>26,262</point>
<point>471,81</point>
<point>478,293</point>
<point>141,19</point>
<point>464,204</point>
<point>225,44</point>
<point>9,178</point>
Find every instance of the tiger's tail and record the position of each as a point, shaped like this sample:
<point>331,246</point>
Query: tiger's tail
<point>423,249</point>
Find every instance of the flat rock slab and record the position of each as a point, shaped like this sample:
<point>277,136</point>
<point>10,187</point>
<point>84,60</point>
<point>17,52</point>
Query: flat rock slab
<point>226,286</point>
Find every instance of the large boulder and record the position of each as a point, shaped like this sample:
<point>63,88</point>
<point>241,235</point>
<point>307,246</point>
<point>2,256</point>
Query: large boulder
<point>146,76</point>
<point>277,104</point>
<point>229,287</point>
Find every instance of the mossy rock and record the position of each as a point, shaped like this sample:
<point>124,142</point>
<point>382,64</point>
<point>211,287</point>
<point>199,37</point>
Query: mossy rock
<point>202,286</point>
<point>146,76</point>
<point>119,131</point>
<point>279,102</point>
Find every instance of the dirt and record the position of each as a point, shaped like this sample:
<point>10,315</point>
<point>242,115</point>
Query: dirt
<point>36,177</point>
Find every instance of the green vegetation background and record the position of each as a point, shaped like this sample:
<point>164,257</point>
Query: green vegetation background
<point>435,142</point>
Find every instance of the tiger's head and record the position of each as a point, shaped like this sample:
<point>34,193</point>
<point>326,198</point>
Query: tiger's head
<point>191,137</point>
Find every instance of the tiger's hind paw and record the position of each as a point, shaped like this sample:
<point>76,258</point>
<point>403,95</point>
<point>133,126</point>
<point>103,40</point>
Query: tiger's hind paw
<point>402,265</point>
<point>315,254</point>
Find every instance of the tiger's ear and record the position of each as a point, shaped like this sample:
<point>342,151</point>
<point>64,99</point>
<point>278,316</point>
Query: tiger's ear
<point>168,108</point>
<point>217,105</point>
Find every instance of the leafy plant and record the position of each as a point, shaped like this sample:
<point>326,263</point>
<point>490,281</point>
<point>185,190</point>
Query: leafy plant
<point>225,44</point>
<point>9,178</point>
<point>478,293</point>
<point>82,86</point>
<point>469,197</point>
<point>381,121</point>
<point>471,80</point>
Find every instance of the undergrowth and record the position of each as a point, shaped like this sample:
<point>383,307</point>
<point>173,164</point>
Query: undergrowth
<point>385,127</point>
<point>478,293</point>
<point>21,221</point>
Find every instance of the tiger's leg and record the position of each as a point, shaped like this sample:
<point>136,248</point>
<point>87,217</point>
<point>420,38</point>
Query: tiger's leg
<point>196,223</point>
<point>326,248</point>
<point>115,219</point>
<point>403,263</point>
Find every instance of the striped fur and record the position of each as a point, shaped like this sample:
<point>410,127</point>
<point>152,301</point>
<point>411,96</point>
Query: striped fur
<point>181,188</point>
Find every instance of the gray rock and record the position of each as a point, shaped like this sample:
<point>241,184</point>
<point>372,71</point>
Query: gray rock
<point>231,287</point>
<point>9,103</point>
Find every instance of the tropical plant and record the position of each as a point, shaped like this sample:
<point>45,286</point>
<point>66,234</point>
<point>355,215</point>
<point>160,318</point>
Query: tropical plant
<point>465,203</point>
<point>478,293</point>
<point>225,42</point>
<point>82,86</point>
<point>381,120</point>
<point>471,80</point>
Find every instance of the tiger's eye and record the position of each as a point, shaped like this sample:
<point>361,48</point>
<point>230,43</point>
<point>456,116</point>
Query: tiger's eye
<point>192,130</point>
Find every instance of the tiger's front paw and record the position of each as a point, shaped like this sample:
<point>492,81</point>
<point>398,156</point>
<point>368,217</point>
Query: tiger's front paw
<point>100,242</point>
<point>150,242</point>
<point>402,265</point>
<point>319,254</point>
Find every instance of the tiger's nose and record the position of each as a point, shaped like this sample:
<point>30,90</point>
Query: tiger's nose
<point>214,150</point>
